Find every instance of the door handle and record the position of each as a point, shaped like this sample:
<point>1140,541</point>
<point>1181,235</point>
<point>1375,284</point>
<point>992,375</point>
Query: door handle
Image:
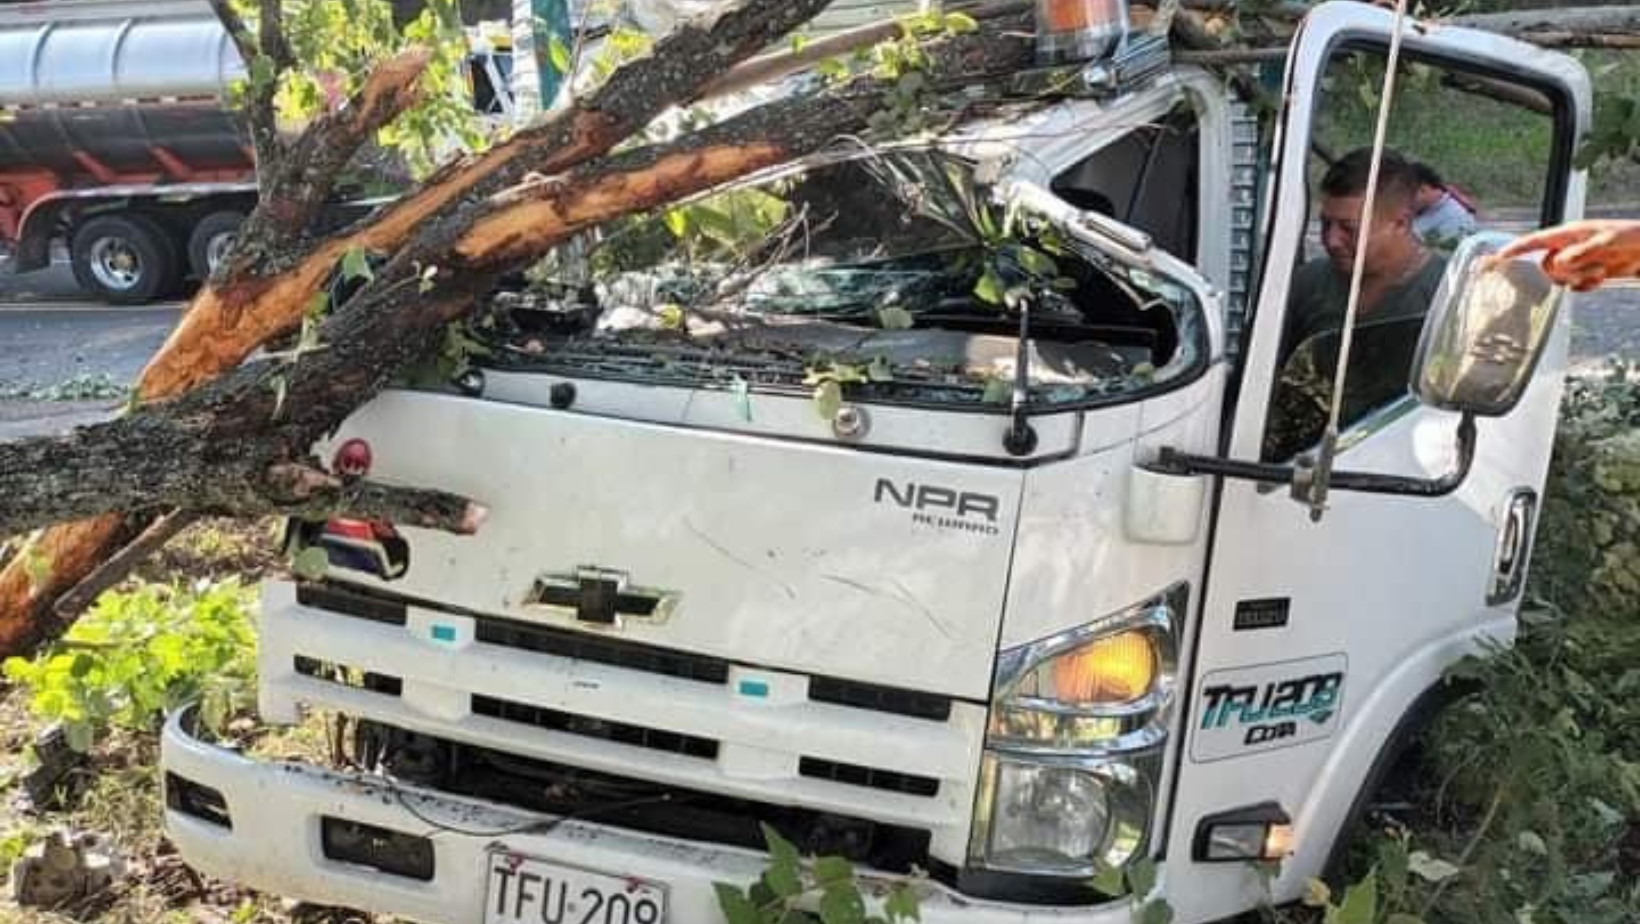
<point>1514,546</point>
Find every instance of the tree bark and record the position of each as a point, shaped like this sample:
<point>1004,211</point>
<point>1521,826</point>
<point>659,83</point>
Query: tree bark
<point>231,445</point>
<point>275,274</point>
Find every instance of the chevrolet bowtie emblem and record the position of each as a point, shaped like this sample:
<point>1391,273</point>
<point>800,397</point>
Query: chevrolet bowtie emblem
<point>598,597</point>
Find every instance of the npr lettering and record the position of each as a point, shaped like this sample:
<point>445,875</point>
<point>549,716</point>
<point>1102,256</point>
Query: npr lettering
<point>1248,705</point>
<point>923,498</point>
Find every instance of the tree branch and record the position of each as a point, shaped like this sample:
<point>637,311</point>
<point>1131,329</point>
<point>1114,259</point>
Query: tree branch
<point>297,185</point>
<point>216,447</point>
<point>303,491</point>
<point>113,570</point>
<point>270,19</point>
<point>259,96</point>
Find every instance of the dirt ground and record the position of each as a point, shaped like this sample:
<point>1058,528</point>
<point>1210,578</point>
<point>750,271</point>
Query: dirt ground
<point>115,791</point>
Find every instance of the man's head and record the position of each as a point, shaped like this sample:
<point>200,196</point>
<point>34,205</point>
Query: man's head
<point>1344,191</point>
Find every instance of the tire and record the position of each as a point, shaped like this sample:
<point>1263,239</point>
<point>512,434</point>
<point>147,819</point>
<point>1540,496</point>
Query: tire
<point>210,240</point>
<point>125,259</point>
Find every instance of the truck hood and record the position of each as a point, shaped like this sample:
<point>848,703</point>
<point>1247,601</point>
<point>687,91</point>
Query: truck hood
<point>784,554</point>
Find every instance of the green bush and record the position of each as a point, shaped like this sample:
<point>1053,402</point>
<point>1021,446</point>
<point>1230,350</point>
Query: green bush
<point>139,653</point>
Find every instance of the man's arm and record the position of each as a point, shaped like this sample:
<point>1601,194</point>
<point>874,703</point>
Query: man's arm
<point>1584,254</point>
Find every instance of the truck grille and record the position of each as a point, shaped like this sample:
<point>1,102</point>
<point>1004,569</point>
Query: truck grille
<point>347,676</point>
<point>871,778</point>
<point>587,727</point>
<point>389,609</point>
<point>667,811</point>
<point>847,768</point>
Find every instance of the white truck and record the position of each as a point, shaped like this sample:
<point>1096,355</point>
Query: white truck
<point>992,646</point>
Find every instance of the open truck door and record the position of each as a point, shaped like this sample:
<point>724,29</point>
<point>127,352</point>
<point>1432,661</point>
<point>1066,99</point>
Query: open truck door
<point>1291,709</point>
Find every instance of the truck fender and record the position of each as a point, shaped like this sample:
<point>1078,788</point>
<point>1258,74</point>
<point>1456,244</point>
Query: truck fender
<point>34,234</point>
<point>1417,718</point>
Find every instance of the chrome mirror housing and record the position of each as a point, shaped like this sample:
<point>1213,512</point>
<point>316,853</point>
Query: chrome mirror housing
<point>1487,328</point>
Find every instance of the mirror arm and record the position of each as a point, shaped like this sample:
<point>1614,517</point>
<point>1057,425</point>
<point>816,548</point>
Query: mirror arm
<point>1171,461</point>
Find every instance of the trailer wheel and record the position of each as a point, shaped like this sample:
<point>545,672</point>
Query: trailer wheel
<point>126,259</point>
<point>211,240</point>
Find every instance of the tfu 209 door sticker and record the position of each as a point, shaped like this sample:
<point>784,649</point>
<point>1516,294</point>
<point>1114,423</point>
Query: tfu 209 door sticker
<point>1245,710</point>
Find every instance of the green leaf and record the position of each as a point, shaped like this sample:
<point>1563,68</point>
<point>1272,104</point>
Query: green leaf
<point>833,870</point>
<point>1156,912</point>
<point>894,317</point>
<point>355,265</point>
<point>828,399</point>
<point>785,873</point>
<point>38,566</point>
<point>1532,843</point>
<point>1110,881</point>
<point>311,563</point>
<point>1392,864</point>
<point>736,907</point>
<point>1430,869</point>
<point>960,23</point>
<point>880,370</point>
<point>1401,917</point>
<point>559,54</point>
<point>677,222</point>
<point>1141,877</point>
<point>833,69</point>
<point>1037,263</point>
<point>990,287</point>
<point>997,391</point>
<point>902,904</point>
<point>1360,905</point>
<point>842,904</point>
<point>261,72</point>
<point>79,735</point>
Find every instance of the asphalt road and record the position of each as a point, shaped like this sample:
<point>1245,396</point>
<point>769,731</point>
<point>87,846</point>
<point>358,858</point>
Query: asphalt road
<point>53,338</point>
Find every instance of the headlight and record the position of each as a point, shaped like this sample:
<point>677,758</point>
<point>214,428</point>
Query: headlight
<point>1073,753</point>
<point>1062,819</point>
<point>1105,686</point>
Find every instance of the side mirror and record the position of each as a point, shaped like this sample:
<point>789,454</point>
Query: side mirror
<point>1485,332</point>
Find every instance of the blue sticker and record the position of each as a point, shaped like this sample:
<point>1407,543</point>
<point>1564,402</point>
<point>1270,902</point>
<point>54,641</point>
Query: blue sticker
<point>756,688</point>
<point>444,633</point>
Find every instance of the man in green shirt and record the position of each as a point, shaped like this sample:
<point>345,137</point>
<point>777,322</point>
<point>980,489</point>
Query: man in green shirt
<point>1399,278</point>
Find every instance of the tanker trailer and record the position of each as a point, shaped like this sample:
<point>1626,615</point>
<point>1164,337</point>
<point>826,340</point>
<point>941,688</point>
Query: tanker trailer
<point>115,139</point>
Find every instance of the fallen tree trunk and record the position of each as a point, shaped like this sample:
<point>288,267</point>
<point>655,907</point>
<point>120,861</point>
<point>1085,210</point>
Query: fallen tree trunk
<point>225,443</point>
<point>276,270</point>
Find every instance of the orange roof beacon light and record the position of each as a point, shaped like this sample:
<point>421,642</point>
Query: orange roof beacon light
<point>1071,31</point>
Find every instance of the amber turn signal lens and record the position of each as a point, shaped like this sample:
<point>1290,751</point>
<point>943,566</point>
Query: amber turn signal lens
<point>1117,669</point>
<point>1075,15</point>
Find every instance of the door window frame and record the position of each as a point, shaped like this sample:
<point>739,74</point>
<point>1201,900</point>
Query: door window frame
<point>1253,379</point>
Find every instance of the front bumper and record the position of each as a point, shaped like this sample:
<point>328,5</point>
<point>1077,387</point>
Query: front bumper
<point>275,811</point>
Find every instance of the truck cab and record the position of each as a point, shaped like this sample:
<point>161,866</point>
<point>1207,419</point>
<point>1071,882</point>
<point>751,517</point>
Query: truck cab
<point>977,570</point>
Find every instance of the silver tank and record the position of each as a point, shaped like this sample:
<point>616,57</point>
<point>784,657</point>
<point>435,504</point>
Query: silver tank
<point>115,80</point>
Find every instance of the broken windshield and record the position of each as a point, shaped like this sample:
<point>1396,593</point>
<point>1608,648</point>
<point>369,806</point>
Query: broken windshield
<point>889,273</point>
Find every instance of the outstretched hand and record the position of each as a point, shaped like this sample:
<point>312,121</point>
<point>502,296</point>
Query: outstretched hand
<point>1584,254</point>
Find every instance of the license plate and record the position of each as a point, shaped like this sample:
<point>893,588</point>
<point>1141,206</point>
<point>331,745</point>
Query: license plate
<point>525,890</point>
